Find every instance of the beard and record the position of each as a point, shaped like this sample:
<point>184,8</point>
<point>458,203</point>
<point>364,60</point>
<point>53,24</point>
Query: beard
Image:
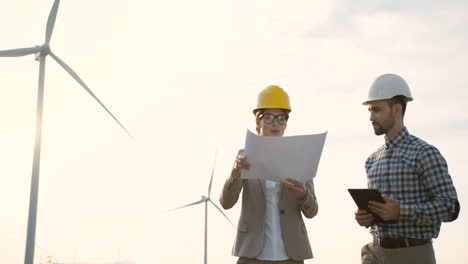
<point>378,129</point>
<point>383,128</point>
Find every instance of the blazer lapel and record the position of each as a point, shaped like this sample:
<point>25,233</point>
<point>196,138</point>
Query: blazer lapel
<point>282,191</point>
<point>262,185</point>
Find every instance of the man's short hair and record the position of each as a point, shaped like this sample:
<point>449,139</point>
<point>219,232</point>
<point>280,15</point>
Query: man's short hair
<point>399,99</point>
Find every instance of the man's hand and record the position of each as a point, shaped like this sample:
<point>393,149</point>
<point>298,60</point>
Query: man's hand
<point>390,210</point>
<point>296,188</point>
<point>240,164</point>
<point>364,218</point>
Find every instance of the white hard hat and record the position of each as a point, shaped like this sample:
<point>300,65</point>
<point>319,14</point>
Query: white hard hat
<point>387,86</point>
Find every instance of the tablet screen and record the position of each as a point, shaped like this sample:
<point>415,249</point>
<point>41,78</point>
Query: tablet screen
<point>362,197</point>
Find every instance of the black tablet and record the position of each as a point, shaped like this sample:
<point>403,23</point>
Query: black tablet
<point>362,197</point>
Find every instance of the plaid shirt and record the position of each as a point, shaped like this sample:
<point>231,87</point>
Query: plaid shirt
<point>415,174</point>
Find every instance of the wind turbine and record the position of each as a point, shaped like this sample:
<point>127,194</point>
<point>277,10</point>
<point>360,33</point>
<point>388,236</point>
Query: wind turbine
<point>41,54</point>
<point>206,199</point>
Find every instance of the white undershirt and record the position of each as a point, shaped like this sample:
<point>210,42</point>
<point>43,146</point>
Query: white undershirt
<point>273,245</point>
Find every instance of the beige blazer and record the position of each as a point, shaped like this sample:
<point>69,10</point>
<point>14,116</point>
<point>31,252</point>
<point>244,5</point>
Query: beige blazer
<point>250,233</point>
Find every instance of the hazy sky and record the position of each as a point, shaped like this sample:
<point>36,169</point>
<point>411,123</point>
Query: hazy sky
<point>183,77</point>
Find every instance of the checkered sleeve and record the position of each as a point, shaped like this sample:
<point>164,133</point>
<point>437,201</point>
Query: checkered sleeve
<point>442,204</point>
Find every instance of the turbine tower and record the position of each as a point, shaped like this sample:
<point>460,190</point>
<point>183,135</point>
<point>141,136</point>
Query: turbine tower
<point>206,200</point>
<point>41,54</point>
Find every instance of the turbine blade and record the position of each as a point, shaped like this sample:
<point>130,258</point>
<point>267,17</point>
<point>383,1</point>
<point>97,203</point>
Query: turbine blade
<point>78,79</point>
<point>187,205</point>
<point>51,20</point>
<point>221,211</point>
<point>20,52</point>
<point>212,173</point>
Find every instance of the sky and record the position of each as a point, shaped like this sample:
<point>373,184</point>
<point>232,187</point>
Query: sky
<point>183,77</point>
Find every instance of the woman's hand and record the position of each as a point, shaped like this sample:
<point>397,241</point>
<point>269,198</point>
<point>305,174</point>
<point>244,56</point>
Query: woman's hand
<point>240,164</point>
<point>296,188</point>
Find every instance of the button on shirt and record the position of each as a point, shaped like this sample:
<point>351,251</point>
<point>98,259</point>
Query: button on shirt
<point>415,174</point>
<point>273,245</point>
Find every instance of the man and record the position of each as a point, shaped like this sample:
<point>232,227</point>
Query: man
<point>270,228</point>
<point>413,178</point>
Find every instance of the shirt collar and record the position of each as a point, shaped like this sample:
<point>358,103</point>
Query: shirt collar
<point>393,142</point>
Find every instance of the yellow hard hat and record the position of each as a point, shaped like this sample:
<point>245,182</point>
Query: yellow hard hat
<point>273,97</point>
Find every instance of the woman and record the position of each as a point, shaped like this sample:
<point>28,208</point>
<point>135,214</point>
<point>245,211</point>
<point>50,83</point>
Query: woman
<point>270,228</point>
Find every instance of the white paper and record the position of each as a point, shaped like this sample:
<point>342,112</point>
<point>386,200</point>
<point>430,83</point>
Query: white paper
<point>277,158</point>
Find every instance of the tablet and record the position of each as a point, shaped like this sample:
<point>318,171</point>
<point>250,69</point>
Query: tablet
<point>362,197</point>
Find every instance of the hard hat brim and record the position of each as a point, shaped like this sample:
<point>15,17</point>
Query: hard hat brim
<point>260,108</point>
<point>407,99</point>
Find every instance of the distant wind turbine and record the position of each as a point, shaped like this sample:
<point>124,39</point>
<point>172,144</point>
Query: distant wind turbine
<point>206,199</point>
<point>41,53</point>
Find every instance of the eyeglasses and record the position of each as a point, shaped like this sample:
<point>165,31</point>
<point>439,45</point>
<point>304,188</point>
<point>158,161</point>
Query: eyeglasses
<point>270,118</point>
